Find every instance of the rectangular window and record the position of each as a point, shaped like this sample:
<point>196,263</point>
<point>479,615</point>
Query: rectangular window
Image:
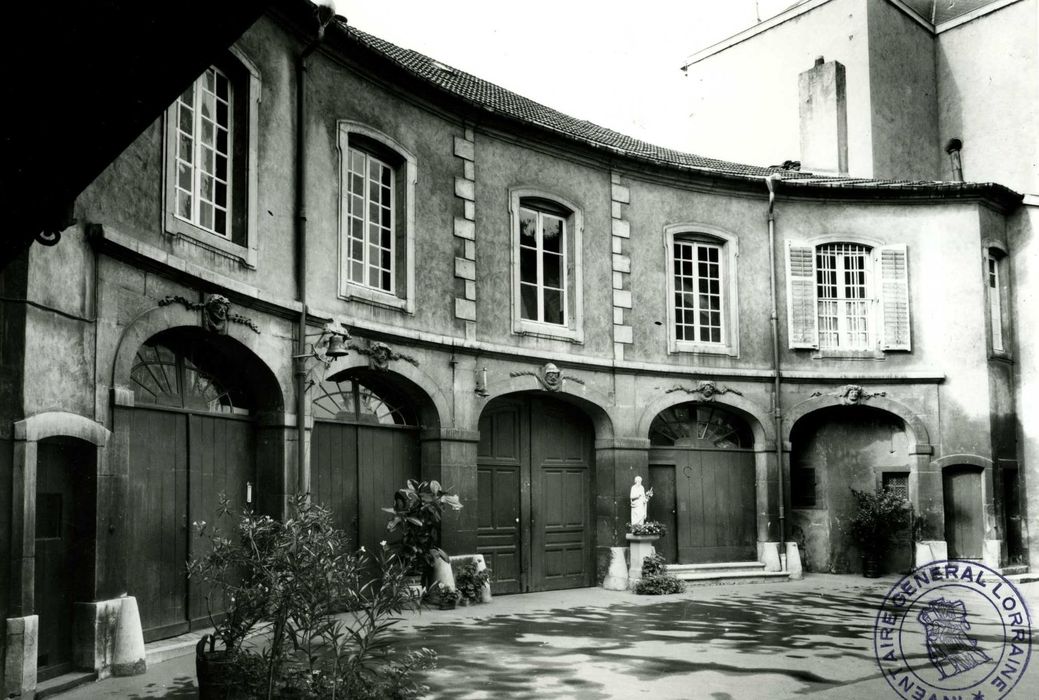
<point>995,304</point>
<point>843,295</point>
<point>698,292</point>
<point>370,222</point>
<point>203,154</point>
<point>897,482</point>
<point>542,267</point>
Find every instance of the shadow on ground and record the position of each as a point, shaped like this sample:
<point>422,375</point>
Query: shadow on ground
<point>814,640</point>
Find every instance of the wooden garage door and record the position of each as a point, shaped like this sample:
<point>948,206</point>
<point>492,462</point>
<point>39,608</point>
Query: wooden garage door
<point>364,447</point>
<point>188,444</point>
<point>701,454</point>
<point>534,495</point>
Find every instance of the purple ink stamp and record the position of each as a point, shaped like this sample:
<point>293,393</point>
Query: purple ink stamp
<point>953,629</point>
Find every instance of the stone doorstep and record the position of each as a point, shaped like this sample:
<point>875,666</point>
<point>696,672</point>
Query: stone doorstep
<point>716,567</point>
<point>707,579</point>
<point>63,683</point>
<point>1014,569</point>
<point>184,645</point>
<point>1023,577</point>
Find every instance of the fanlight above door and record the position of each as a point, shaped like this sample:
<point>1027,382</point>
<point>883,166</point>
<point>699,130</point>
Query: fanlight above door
<point>165,377</point>
<point>350,401</point>
<point>705,426</point>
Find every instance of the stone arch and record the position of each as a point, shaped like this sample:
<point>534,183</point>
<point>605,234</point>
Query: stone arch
<point>960,460</point>
<point>920,439</point>
<point>416,383</point>
<point>164,318</point>
<point>61,424</point>
<point>592,403</point>
<point>757,417</point>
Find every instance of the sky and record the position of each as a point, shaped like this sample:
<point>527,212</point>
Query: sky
<point>616,63</point>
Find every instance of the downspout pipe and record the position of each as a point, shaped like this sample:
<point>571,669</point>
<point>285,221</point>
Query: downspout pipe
<point>325,13</point>
<point>777,409</point>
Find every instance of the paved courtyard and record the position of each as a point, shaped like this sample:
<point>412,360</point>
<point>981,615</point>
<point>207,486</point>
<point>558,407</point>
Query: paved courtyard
<point>809,637</point>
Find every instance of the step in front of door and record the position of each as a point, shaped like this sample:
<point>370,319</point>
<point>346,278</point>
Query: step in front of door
<point>725,572</point>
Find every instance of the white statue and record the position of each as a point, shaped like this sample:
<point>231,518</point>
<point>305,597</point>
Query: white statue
<point>639,500</point>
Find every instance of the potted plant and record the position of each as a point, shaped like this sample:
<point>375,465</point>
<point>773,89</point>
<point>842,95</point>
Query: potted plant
<point>878,518</point>
<point>471,582</point>
<point>417,511</point>
<point>324,620</point>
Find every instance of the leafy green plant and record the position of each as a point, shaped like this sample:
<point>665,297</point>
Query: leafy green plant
<point>878,518</point>
<point>654,564</point>
<point>326,620</point>
<point>417,511</point>
<point>659,584</point>
<point>471,582</point>
<point>648,529</point>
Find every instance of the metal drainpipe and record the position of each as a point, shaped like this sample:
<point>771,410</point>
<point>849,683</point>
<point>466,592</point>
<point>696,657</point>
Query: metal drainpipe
<point>777,411</point>
<point>302,473</point>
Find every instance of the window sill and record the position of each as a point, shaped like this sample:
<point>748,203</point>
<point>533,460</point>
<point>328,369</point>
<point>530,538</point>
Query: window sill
<point>678,347</point>
<point>848,355</point>
<point>1003,356</point>
<point>178,228</point>
<point>548,331</point>
<point>367,295</point>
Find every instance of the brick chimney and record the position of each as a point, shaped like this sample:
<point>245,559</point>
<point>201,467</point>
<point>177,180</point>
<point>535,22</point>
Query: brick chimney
<point>824,118</point>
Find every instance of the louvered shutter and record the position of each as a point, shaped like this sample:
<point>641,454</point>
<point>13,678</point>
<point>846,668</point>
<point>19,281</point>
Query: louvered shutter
<point>800,295</point>
<point>894,297</point>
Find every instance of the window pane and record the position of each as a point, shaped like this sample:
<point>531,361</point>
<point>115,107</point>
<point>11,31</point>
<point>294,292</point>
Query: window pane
<point>220,225</point>
<point>553,306</point>
<point>553,233</point>
<point>529,301</point>
<point>205,215</point>
<point>187,119</point>
<point>184,205</point>
<point>528,265</point>
<point>552,274</point>
<point>184,176</point>
<point>528,227</point>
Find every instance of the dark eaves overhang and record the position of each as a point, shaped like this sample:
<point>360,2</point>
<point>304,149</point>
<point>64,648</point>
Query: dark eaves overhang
<point>83,80</point>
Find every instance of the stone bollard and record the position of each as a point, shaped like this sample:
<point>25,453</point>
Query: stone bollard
<point>793,561</point>
<point>128,656</point>
<point>617,575</point>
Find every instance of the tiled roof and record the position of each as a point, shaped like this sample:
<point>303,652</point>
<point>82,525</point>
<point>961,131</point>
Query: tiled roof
<point>493,98</point>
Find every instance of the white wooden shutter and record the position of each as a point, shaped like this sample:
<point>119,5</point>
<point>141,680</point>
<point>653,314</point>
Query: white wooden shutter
<point>894,297</point>
<point>800,295</point>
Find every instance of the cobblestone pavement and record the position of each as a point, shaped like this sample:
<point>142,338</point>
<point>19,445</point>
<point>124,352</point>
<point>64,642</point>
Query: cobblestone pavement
<point>803,638</point>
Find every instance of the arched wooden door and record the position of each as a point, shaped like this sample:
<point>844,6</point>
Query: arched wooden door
<point>702,457</point>
<point>364,447</point>
<point>964,511</point>
<point>190,440</point>
<point>534,492</point>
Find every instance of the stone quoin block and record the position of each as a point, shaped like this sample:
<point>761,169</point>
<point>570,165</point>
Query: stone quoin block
<point>470,250</point>
<point>622,334</point>
<point>465,309</point>
<point>466,189</point>
<point>465,228</point>
<point>465,149</point>
<point>621,263</point>
<point>470,211</point>
<point>621,194</point>
<point>466,269</point>
<point>622,298</point>
<point>469,170</point>
<point>621,228</point>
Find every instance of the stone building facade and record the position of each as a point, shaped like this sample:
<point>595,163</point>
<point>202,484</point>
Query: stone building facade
<point>538,311</point>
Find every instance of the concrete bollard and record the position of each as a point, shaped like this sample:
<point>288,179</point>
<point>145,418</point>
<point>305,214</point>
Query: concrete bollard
<point>617,575</point>
<point>128,656</point>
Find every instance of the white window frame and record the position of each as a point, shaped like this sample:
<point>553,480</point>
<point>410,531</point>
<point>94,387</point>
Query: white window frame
<point>364,217</point>
<point>539,250</point>
<point>870,298</point>
<point>995,288</point>
<point>573,227</point>
<point>402,295</point>
<point>728,245</point>
<point>242,175</point>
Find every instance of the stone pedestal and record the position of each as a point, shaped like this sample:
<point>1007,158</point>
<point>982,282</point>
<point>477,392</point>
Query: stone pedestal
<point>19,655</point>
<point>641,547</point>
<point>617,575</point>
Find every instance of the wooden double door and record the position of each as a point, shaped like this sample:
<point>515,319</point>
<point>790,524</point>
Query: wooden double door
<point>708,501</point>
<point>534,491</point>
<point>355,469</point>
<point>180,464</point>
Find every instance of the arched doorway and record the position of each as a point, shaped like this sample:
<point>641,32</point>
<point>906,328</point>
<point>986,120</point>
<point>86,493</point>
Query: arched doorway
<point>702,471</point>
<point>365,446</point>
<point>834,450</point>
<point>534,491</point>
<point>66,492</point>
<point>963,497</point>
<point>190,439</point>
